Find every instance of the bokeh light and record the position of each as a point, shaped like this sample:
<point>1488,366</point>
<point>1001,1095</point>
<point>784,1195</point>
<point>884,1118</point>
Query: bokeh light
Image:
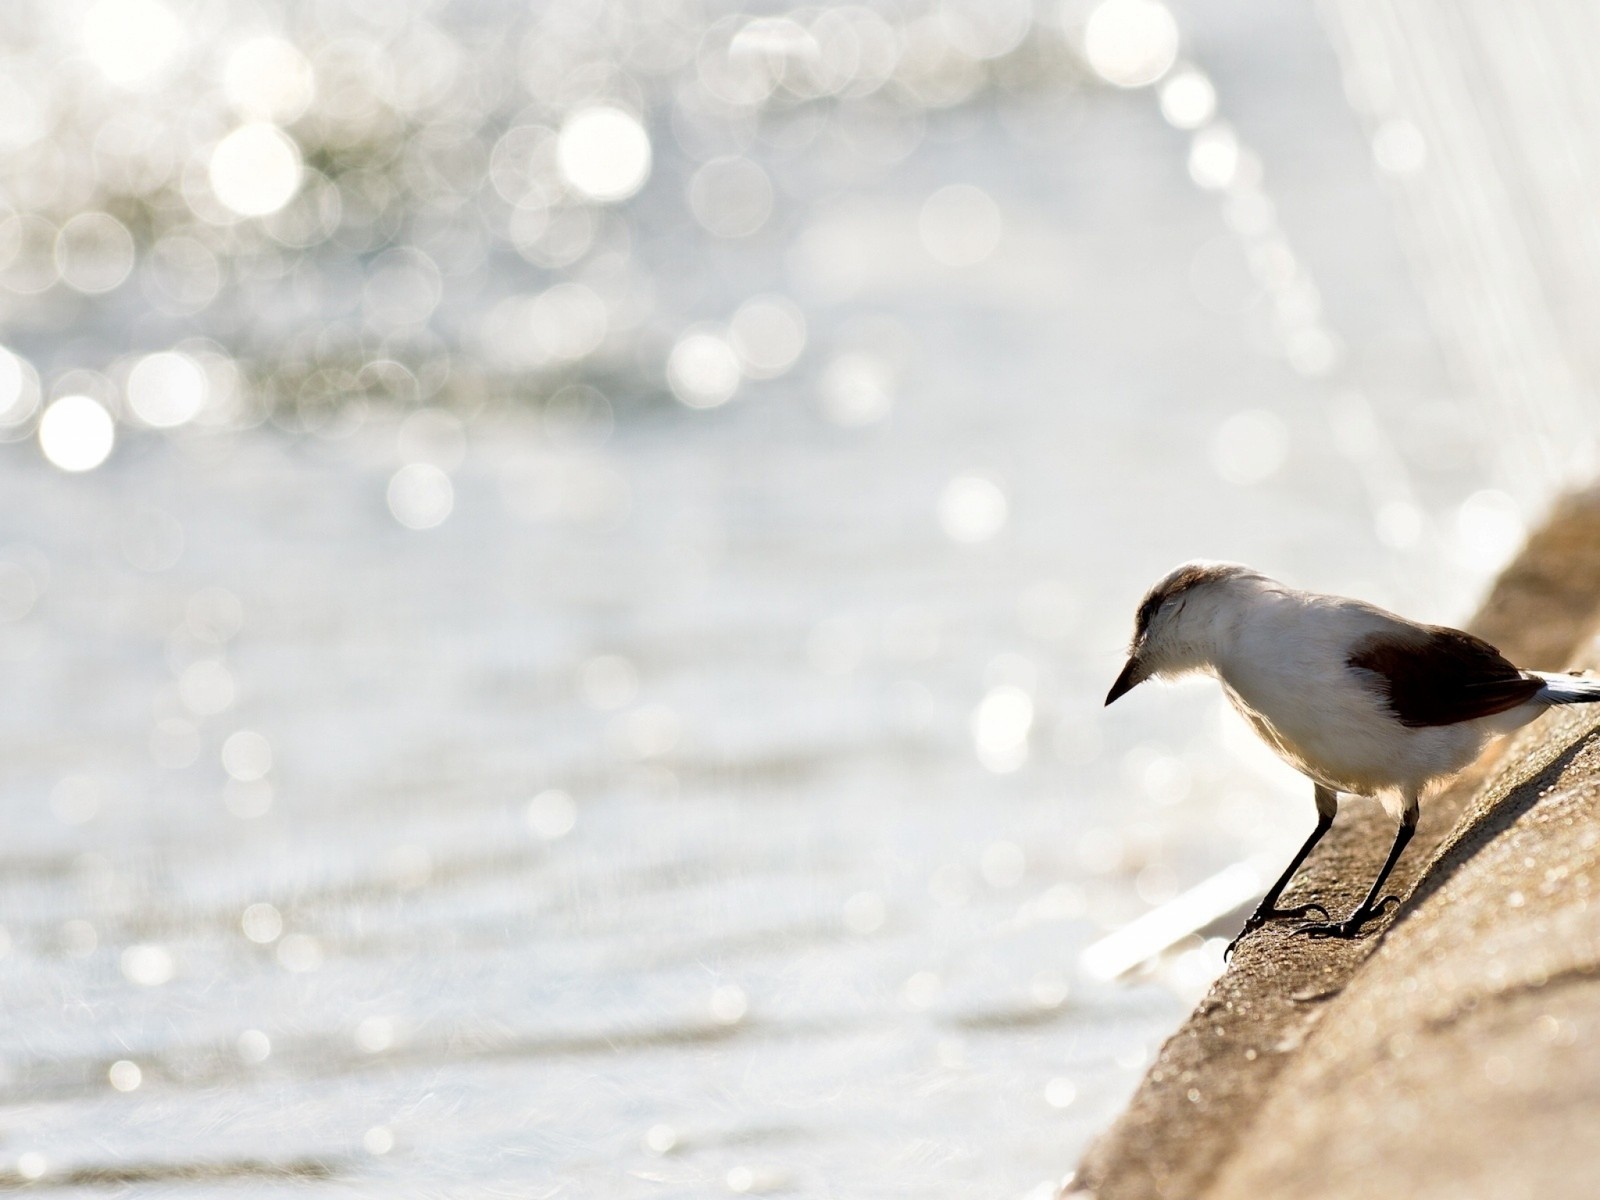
<point>1131,43</point>
<point>1000,727</point>
<point>703,370</point>
<point>1060,1092</point>
<point>255,170</point>
<point>166,390</point>
<point>94,252</point>
<point>133,42</point>
<point>1399,148</point>
<point>857,388</point>
<point>1489,528</point>
<point>972,508</point>
<point>254,1047</point>
<point>768,334</point>
<point>604,153</point>
<point>1214,157</point>
<point>247,756</point>
<point>1188,99</point>
<point>378,1140</point>
<point>207,687</point>
<point>421,496</point>
<point>148,964</point>
<point>552,814</point>
<point>960,225</point>
<point>262,923</point>
<point>76,433</point>
<point>19,391</point>
<point>269,79</point>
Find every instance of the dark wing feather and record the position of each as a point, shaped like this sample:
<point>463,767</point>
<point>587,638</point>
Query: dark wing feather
<point>1433,675</point>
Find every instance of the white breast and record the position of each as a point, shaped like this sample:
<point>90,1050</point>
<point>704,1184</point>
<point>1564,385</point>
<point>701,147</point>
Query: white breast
<point>1288,675</point>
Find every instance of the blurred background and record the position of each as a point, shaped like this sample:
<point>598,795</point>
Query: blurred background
<point>559,562</point>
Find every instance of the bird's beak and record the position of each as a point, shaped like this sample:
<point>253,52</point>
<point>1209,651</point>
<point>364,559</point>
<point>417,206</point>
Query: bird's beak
<point>1127,681</point>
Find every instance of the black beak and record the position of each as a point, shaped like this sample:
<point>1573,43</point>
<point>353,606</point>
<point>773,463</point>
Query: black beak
<point>1126,682</point>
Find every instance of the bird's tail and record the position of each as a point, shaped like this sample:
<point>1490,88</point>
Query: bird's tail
<point>1567,689</point>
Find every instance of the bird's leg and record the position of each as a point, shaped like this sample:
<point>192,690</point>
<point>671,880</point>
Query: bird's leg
<point>1327,806</point>
<point>1367,909</point>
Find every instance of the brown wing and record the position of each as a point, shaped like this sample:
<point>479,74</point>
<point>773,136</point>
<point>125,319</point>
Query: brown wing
<point>1433,675</point>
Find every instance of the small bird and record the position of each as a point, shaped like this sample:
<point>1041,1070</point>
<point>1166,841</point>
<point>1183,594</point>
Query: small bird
<point>1356,698</point>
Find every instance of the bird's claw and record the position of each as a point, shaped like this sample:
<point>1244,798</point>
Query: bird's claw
<point>1352,925</point>
<point>1259,918</point>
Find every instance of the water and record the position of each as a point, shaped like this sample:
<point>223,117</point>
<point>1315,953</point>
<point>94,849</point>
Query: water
<point>481,789</point>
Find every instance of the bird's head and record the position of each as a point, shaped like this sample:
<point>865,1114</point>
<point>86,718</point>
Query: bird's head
<point>1174,630</point>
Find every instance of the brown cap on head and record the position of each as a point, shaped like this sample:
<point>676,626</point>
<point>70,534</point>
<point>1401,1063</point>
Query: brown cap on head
<point>1178,581</point>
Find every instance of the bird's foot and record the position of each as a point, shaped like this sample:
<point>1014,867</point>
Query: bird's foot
<point>1262,915</point>
<point>1351,926</point>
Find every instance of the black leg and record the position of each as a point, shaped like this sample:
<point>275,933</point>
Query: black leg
<point>1267,910</point>
<point>1367,909</point>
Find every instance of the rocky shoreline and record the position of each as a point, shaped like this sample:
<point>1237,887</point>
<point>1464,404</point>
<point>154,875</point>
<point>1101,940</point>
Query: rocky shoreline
<point>1453,1051</point>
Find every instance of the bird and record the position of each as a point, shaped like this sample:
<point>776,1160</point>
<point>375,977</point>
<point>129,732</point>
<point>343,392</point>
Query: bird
<point>1358,699</point>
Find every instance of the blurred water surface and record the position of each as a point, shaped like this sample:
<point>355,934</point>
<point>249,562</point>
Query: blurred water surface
<point>558,569</point>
